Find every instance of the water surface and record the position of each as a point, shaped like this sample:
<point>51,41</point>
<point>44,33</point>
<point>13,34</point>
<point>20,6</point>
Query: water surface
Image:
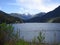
<point>30,30</point>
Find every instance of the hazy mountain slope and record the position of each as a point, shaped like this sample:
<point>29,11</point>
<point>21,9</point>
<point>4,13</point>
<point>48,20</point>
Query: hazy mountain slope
<point>6,18</point>
<point>22,16</point>
<point>36,18</point>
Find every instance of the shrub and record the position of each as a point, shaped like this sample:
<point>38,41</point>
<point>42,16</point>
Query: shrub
<point>40,37</point>
<point>7,35</point>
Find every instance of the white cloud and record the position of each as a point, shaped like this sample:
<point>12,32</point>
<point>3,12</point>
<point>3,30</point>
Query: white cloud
<point>31,5</point>
<point>37,4</point>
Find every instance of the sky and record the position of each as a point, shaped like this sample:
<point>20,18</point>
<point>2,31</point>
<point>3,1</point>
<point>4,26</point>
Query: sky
<point>28,6</point>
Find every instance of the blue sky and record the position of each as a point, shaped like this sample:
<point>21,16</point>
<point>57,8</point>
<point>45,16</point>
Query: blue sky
<point>28,6</point>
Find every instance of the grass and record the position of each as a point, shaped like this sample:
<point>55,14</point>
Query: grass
<point>22,42</point>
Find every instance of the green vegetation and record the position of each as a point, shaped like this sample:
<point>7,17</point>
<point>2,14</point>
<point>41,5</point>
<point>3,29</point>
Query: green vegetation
<point>34,41</point>
<point>40,37</point>
<point>9,37</point>
<point>7,34</point>
<point>7,18</point>
<point>22,42</point>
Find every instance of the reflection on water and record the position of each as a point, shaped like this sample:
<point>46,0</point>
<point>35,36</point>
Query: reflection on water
<point>30,30</point>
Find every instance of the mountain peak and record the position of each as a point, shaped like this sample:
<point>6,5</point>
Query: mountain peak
<point>58,8</point>
<point>1,11</point>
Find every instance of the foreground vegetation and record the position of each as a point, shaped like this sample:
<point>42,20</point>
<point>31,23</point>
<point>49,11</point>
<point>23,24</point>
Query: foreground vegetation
<point>7,34</point>
<point>9,37</point>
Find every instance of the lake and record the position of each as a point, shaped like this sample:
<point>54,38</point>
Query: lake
<point>28,31</point>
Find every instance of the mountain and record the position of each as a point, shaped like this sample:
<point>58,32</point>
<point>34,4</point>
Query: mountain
<point>6,18</point>
<point>22,16</point>
<point>54,20</point>
<point>45,18</point>
<point>36,18</point>
<point>52,14</point>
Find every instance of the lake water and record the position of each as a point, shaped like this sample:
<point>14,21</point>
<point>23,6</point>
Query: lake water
<point>28,31</point>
